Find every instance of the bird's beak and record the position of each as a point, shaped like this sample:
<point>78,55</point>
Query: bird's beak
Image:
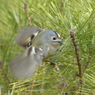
<point>60,41</point>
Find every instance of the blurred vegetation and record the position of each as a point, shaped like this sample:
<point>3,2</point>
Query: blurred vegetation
<point>61,16</point>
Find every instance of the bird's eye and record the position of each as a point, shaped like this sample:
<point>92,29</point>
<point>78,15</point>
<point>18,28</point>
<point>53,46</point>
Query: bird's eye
<point>54,38</point>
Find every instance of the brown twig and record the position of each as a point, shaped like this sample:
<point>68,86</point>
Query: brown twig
<point>57,68</point>
<point>27,14</point>
<point>76,52</point>
<point>77,57</point>
<point>4,72</point>
<point>62,86</point>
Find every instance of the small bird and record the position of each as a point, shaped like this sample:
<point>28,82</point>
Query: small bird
<point>39,45</point>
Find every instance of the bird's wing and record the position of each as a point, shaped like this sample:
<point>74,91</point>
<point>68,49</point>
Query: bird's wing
<point>25,37</point>
<point>25,65</point>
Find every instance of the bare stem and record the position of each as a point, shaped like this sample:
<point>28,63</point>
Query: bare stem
<point>63,84</point>
<point>27,14</point>
<point>77,57</point>
<point>57,68</point>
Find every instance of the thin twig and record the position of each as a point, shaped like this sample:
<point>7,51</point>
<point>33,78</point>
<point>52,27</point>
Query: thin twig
<point>27,14</point>
<point>57,68</point>
<point>77,57</point>
<point>63,85</point>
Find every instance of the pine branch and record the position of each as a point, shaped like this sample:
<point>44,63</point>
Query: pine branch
<point>72,33</point>
<point>63,84</point>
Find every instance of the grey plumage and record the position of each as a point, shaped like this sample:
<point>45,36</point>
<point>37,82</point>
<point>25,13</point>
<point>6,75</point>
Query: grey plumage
<point>44,44</point>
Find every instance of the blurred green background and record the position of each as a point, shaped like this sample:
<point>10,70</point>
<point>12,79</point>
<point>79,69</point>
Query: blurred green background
<point>60,16</point>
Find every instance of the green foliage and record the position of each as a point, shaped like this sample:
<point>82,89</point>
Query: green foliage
<point>57,15</point>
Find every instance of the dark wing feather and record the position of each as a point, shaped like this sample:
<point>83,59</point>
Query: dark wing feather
<point>25,37</point>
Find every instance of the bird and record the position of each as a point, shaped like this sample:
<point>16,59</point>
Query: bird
<point>39,45</point>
